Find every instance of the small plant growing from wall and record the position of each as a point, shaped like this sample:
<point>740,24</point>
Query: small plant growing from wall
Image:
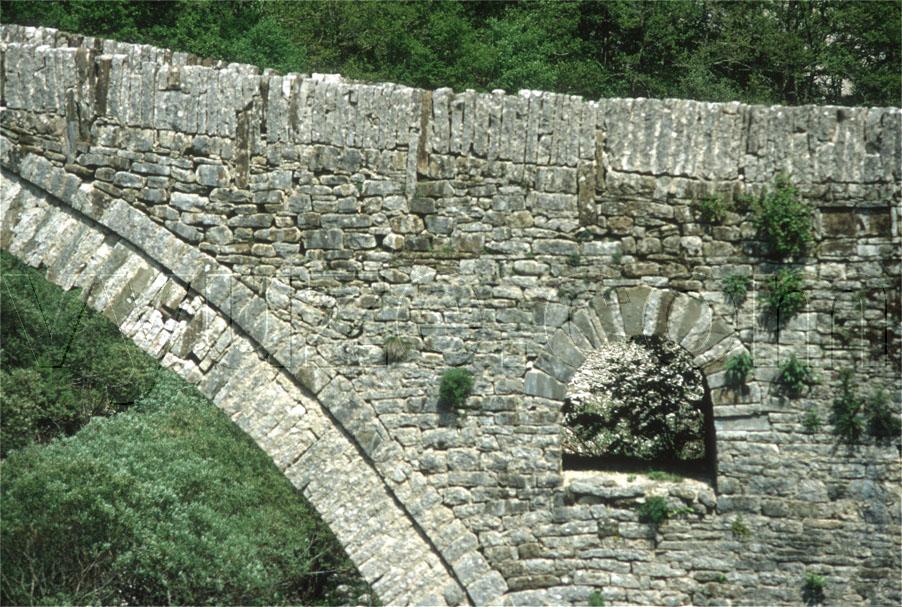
<point>847,414</point>
<point>736,287</point>
<point>737,368</point>
<point>784,220</point>
<point>811,421</point>
<point>813,589</point>
<point>661,475</point>
<point>396,349</point>
<point>455,387</point>
<point>596,599</point>
<point>784,295</point>
<point>795,377</point>
<point>740,530</point>
<point>852,414</point>
<point>654,511</point>
<point>883,425</point>
<point>712,209</point>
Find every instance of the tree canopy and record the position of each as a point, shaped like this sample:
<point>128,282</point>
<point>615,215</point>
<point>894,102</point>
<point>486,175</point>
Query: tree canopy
<point>765,51</point>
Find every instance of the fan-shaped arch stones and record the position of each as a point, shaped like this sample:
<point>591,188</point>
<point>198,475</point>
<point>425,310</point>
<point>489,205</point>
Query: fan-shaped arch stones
<point>621,313</point>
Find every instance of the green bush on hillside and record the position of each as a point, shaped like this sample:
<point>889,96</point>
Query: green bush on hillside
<point>61,363</point>
<point>166,503</point>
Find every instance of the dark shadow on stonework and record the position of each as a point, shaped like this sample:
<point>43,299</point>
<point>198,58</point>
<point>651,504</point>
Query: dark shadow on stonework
<point>641,405</point>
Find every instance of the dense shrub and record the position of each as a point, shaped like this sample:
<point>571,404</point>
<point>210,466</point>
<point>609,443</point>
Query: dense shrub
<point>641,398</point>
<point>455,387</point>
<point>166,503</point>
<point>784,220</point>
<point>784,294</point>
<point>61,363</point>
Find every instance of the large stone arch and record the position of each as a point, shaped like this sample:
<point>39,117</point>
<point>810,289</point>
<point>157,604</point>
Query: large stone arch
<point>116,258</point>
<point>624,312</point>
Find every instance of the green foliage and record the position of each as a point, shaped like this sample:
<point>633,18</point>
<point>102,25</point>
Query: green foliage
<point>712,209</point>
<point>852,414</point>
<point>456,385</point>
<point>396,349</point>
<point>596,599</point>
<point>660,475</point>
<point>795,377</point>
<point>736,286</point>
<point>573,260</point>
<point>811,421</point>
<point>882,422</point>
<point>720,578</point>
<point>792,52</point>
<point>738,367</point>
<point>784,220</point>
<point>784,294</point>
<point>642,399</point>
<point>739,529</point>
<point>813,588</point>
<point>654,510</point>
<point>847,414</point>
<point>61,363</point>
<point>166,503</point>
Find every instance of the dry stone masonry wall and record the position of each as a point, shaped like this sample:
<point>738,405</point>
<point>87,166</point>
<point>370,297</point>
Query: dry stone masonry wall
<point>268,235</point>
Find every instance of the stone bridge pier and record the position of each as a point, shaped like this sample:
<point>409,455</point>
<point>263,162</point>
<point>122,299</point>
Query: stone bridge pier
<point>313,253</point>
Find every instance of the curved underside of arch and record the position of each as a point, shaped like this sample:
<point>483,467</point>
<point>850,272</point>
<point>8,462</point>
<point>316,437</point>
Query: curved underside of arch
<point>165,313</point>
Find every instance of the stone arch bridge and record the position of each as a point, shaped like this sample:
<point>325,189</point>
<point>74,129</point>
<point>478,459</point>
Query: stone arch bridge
<point>264,235</point>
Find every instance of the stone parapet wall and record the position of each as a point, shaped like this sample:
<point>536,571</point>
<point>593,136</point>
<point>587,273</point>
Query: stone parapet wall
<point>511,235</point>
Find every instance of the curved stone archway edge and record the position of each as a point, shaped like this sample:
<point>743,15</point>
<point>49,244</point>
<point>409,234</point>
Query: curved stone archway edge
<point>625,312</point>
<point>168,299</point>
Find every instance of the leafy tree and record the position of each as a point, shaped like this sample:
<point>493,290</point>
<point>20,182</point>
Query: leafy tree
<point>764,51</point>
<point>641,399</point>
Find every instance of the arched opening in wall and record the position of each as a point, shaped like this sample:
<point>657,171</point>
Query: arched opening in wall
<point>639,405</point>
